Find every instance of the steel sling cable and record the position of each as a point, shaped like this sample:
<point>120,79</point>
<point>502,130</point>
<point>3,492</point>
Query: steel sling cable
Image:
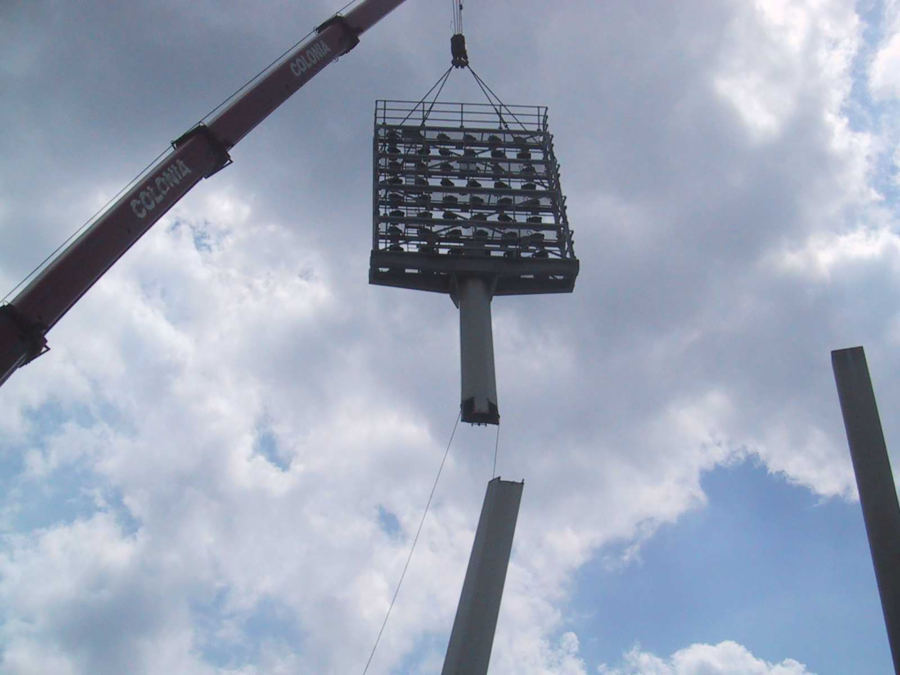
<point>485,89</point>
<point>437,95</point>
<point>441,80</point>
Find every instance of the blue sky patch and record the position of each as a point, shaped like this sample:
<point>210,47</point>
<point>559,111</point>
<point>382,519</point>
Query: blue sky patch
<point>766,564</point>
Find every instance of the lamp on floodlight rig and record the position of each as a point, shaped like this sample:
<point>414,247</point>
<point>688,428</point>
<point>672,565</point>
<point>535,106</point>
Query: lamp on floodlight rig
<point>467,204</point>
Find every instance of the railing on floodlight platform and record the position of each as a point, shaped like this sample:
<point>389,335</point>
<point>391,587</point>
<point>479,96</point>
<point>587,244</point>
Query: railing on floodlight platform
<point>463,189</point>
<point>460,115</point>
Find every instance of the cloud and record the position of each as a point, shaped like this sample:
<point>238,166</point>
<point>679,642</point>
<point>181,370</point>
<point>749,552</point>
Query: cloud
<point>884,81</point>
<point>65,587</point>
<point>725,658</point>
<point>229,417</point>
<point>776,58</point>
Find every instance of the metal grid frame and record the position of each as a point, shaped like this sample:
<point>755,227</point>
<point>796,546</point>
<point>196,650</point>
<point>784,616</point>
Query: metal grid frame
<point>468,188</point>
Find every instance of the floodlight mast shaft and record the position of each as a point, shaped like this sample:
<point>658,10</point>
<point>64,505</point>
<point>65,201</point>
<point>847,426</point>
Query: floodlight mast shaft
<point>198,154</point>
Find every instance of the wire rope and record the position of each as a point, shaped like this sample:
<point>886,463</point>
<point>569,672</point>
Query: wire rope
<point>436,96</point>
<point>442,78</point>
<point>485,89</point>
<point>490,100</point>
<point>413,547</point>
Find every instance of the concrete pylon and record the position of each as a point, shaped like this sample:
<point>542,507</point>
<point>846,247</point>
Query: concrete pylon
<point>469,651</point>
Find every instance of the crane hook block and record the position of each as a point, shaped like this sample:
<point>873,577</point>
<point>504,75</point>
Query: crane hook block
<point>458,51</point>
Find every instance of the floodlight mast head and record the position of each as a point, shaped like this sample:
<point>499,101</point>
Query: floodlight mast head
<point>467,201</point>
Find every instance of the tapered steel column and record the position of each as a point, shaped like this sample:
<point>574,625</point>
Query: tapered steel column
<point>877,492</point>
<point>469,651</point>
<point>476,342</point>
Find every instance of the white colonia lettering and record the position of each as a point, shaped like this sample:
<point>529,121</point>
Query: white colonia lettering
<point>309,58</point>
<point>155,191</point>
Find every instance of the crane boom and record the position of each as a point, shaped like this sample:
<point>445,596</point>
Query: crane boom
<point>196,155</point>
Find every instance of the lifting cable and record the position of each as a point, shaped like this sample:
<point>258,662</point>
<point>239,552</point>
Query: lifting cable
<point>442,80</point>
<point>460,59</point>
<point>413,547</point>
<point>458,40</point>
<point>457,16</point>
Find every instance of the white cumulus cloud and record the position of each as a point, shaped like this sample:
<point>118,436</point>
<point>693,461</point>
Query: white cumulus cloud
<point>725,658</point>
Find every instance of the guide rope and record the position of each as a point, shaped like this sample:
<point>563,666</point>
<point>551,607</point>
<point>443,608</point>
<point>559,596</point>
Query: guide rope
<point>413,547</point>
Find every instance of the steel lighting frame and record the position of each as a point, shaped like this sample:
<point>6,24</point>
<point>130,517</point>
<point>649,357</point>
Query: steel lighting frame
<point>468,189</point>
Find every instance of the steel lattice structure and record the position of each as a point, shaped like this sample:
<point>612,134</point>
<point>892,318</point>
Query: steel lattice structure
<point>468,189</point>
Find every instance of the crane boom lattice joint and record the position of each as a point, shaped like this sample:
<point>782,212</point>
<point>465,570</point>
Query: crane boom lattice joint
<point>340,20</point>
<point>219,148</point>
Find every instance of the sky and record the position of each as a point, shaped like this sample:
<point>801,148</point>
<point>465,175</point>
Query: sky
<point>221,464</point>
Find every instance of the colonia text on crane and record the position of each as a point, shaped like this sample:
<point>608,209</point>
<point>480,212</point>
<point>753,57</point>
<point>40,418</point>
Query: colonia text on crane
<point>150,197</point>
<point>47,296</point>
<point>309,58</point>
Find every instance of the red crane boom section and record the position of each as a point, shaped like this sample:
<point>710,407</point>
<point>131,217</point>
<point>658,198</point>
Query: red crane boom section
<point>198,154</point>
